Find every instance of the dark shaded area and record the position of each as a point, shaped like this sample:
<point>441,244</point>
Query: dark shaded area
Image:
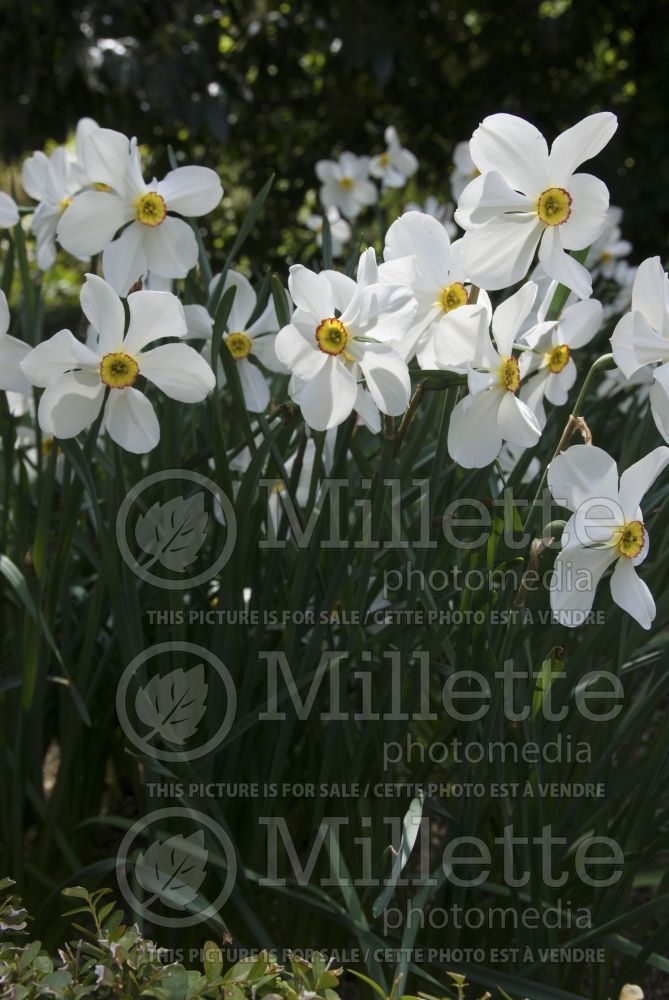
<point>265,87</point>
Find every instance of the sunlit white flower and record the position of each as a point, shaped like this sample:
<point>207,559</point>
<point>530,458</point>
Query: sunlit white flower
<point>492,412</point>
<point>439,285</point>
<point>464,169</point>
<point>527,198</point>
<point>642,336</point>
<point>155,239</point>
<point>339,335</point>
<point>441,211</point>
<point>395,165</point>
<point>9,213</point>
<point>249,338</point>
<point>12,353</point>
<point>53,181</point>
<point>606,527</point>
<point>606,251</point>
<point>345,184</point>
<point>340,231</point>
<point>77,378</point>
<point>552,365</point>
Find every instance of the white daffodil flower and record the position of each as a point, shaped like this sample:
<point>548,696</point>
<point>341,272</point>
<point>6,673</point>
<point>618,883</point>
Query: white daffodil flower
<point>395,165</point>
<point>53,181</point>
<point>527,198</point>
<point>339,334</point>
<point>345,184</point>
<point>77,378</point>
<point>154,239</point>
<point>340,231</point>
<point>642,336</point>
<point>439,285</point>
<point>12,353</point>
<point>9,213</point>
<point>248,340</point>
<point>464,169</point>
<point>492,413</point>
<point>551,344</point>
<point>245,340</point>
<point>606,527</point>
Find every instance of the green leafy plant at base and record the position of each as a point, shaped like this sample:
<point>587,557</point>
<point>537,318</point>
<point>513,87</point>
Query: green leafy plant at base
<point>114,960</point>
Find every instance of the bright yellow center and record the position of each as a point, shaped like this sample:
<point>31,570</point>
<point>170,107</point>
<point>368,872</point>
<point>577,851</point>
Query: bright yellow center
<point>557,358</point>
<point>606,257</point>
<point>332,336</point>
<point>63,204</point>
<point>118,370</point>
<point>346,183</point>
<point>239,345</point>
<point>452,296</point>
<point>554,206</point>
<point>150,209</point>
<point>99,186</point>
<point>509,375</point>
<point>629,539</point>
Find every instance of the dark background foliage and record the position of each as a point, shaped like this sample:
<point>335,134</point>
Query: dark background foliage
<point>263,87</point>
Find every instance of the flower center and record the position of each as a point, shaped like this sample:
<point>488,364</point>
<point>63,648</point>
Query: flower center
<point>509,375</point>
<point>150,209</point>
<point>332,336</point>
<point>630,539</point>
<point>239,344</point>
<point>554,206</point>
<point>100,186</point>
<point>63,204</point>
<point>452,296</point>
<point>118,370</point>
<point>384,160</point>
<point>346,183</point>
<point>557,358</point>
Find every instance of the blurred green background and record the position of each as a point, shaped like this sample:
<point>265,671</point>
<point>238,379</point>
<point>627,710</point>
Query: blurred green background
<point>260,87</point>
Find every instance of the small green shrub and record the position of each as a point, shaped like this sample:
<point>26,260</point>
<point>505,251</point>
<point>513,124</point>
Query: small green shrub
<point>114,960</point>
